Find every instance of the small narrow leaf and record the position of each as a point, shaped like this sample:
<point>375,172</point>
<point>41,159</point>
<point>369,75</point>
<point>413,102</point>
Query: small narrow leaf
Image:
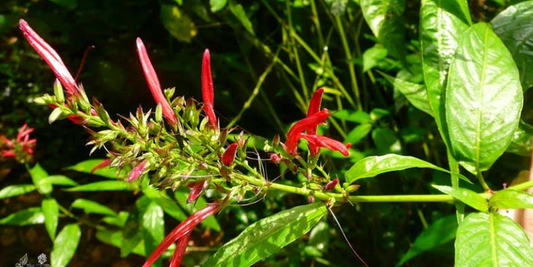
<point>51,216</point>
<point>15,190</point>
<point>415,93</point>
<point>103,186</point>
<point>491,239</point>
<point>24,217</point>
<point>466,196</point>
<point>515,27</point>
<point>268,235</point>
<point>153,228</point>
<point>88,165</point>
<point>58,180</point>
<point>239,12</point>
<point>217,5</point>
<point>92,207</point>
<point>38,174</point>
<point>511,199</point>
<point>375,165</point>
<point>65,245</point>
<point>483,99</point>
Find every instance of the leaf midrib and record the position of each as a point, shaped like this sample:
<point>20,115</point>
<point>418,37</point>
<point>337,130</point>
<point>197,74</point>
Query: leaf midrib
<point>480,108</point>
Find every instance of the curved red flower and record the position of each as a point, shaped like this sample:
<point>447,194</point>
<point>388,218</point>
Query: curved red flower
<point>208,93</point>
<point>293,136</point>
<point>153,84</point>
<point>326,142</point>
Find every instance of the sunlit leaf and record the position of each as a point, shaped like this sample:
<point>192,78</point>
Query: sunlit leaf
<point>178,23</point>
<point>373,56</point>
<point>88,165</point>
<point>511,199</point>
<point>153,228</point>
<point>38,174</point>
<point>415,93</point>
<point>266,236</point>
<point>65,245</point>
<point>58,180</point>
<point>24,217</point>
<point>51,216</point>
<point>217,5</point>
<point>515,28</point>
<point>386,140</point>
<point>466,196</point>
<point>103,186</point>
<point>15,190</point>
<point>522,140</point>
<point>92,207</point>
<point>483,99</point>
<point>358,133</point>
<point>491,239</point>
<point>239,12</point>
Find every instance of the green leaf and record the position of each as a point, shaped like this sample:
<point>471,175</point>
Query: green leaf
<point>522,140</point>
<point>511,199</point>
<point>373,56</point>
<point>59,180</point>
<point>119,220</point>
<point>114,238</point>
<point>92,207</point>
<point>65,245</point>
<point>386,22</point>
<point>38,174</point>
<point>240,14</point>
<point>51,216</point>
<point>153,228</point>
<point>375,165</point>
<point>32,215</point>
<point>437,234</point>
<point>353,116</point>
<point>15,190</point>
<point>386,140</point>
<point>515,28</point>
<point>88,165</point>
<point>442,23</point>
<point>103,186</point>
<point>483,99</point>
<point>132,232</point>
<point>358,133</point>
<point>265,237</point>
<point>491,239</point>
<point>161,199</point>
<point>466,196</point>
<point>415,93</point>
<point>217,5</point>
<point>178,23</point>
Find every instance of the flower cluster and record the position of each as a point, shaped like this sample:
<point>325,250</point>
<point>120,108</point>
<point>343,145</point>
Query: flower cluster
<point>19,149</point>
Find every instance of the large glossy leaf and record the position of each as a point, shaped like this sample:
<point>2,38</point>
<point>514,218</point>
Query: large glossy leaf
<point>466,196</point>
<point>483,99</point>
<point>24,217</point>
<point>153,228</point>
<point>415,93</point>
<point>386,22</point>
<point>38,174</point>
<point>268,235</point>
<point>491,239</point>
<point>522,140</point>
<point>511,199</point>
<point>442,22</point>
<point>515,27</point>
<point>51,216</point>
<point>92,207</point>
<point>15,190</point>
<point>65,245</point>
<point>103,186</point>
<point>375,165</point>
<point>437,234</point>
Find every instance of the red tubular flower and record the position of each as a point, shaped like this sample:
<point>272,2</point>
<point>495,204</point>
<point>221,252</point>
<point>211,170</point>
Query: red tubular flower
<point>51,57</point>
<point>331,185</point>
<point>137,171</point>
<point>196,190</point>
<point>208,93</point>
<point>101,165</point>
<point>153,83</point>
<point>314,107</point>
<point>229,155</point>
<point>322,141</point>
<point>183,229</point>
<point>181,246</point>
<point>293,136</point>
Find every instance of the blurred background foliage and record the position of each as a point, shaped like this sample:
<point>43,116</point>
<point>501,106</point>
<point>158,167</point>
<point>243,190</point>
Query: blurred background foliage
<point>269,54</point>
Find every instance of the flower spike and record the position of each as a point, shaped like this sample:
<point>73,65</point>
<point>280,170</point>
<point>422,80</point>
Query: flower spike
<point>294,134</point>
<point>51,57</point>
<point>208,93</point>
<point>153,84</point>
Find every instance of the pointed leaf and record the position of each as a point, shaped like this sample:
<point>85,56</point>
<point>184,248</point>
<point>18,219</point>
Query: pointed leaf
<point>415,93</point>
<point>386,22</point>
<point>153,228</point>
<point>375,165</point>
<point>92,207</point>
<point>511,199</point>
<point>161,199</point>
<point>239,12</point>
<point>51,216</point>
<point>38,174</point>
<point>437,234</point>
<point>491,239</point>
<point>88,165</point>
<point>15,190</point>
<point>103,186</point>
<point>24,217</point>
<point>442,24</point>
<point>58,180</point>
<point>268,235</point>
<point>217,5</point>
<point>515,27</point>
<point>466,196</point>
<point>483,99</point>
<point>178,23</point>
<point>65,245</point>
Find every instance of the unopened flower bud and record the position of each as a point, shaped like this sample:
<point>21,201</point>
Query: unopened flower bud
<point>311,199</point>
<point>331,185</point>
<point>229,155</point>
<point>275,158</point>
<point>58,92</point>
<point>275,141</point>
<point>352,188</point>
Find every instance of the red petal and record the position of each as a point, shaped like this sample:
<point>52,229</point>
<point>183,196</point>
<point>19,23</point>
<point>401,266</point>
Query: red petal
<point>196,190</point>
<point>137,171</point>
<point>208,93</point>
<point>293,136</point>
<point>326,142</point>
<point>229,155</point>
<point>181,246</point>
